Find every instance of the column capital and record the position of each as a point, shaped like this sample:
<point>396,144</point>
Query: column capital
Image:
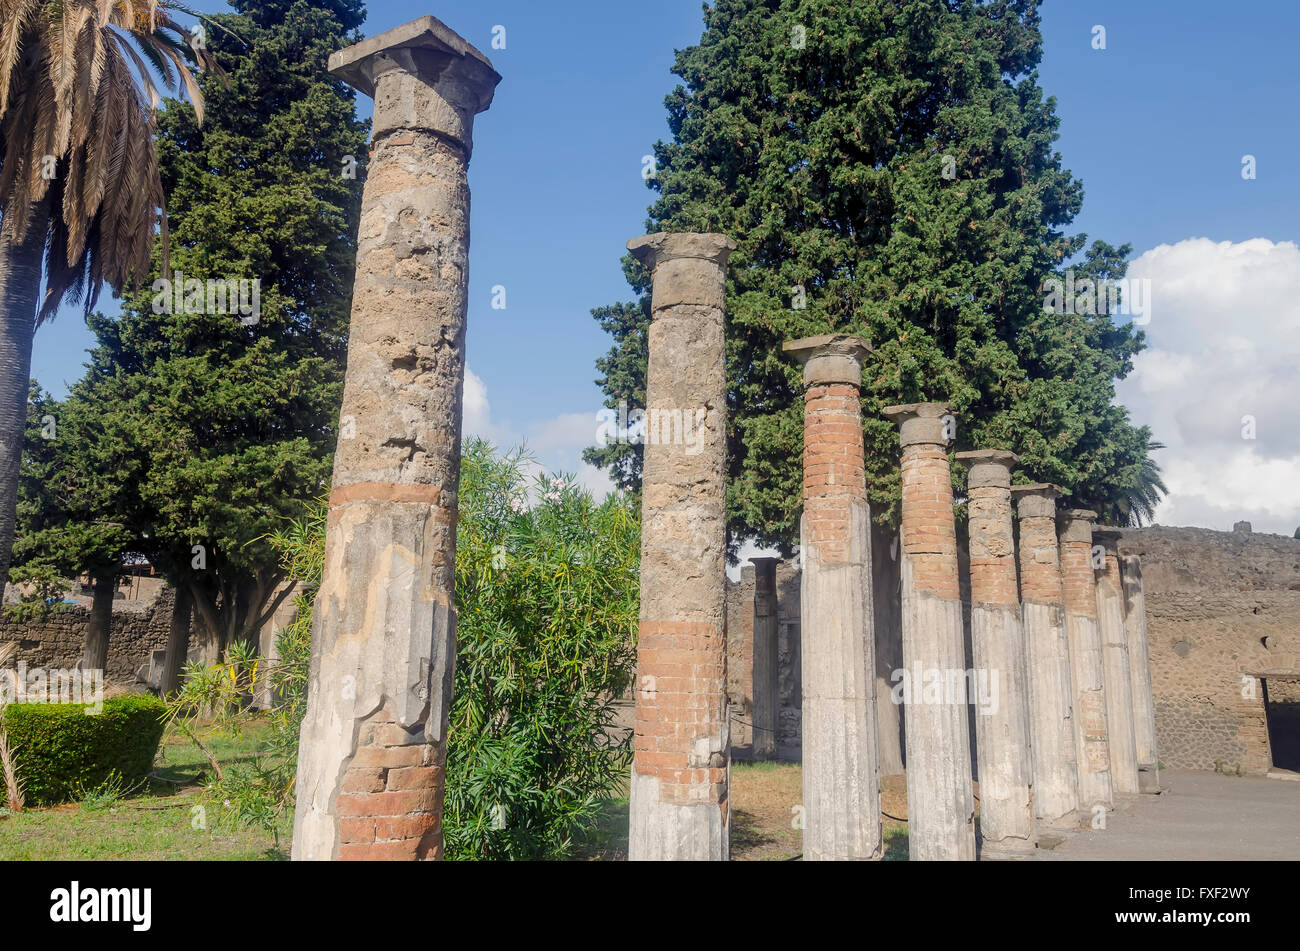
<point>422,75</point>
<point>1108,537</point>
<point>830,358</point>
<point>1076,525</point>
<point>920,423</point>
<point>1036,500</point>
<point>989,468</point>
<point>655,249</point>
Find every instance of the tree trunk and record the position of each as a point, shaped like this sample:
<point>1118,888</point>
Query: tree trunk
<point>208,629</point>
<point>20,286</point>
<point>95,654</point>
<point>178,637</point>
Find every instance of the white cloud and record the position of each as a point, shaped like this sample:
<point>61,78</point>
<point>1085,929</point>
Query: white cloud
<point>1224,345</point>
<point>557,442</point>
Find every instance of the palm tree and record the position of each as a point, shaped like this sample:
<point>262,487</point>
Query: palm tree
<point>1138,505</point>
<point>79,184</point>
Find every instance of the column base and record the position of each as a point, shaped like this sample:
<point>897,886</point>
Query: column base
<point>1149,781</point>
<point>1006,850</point>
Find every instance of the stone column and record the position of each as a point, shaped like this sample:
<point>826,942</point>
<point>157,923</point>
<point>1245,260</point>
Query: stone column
<point>841,779</point>
<point>1092,747</point>
<point>765,692</point>
<point>681,762</point>
<point>373,742</point>
<point>998,648</point>
<point>1139,656</point>
<point>1047,654</point>
<point>1116,669</point>
<point>940,804</point>
<point>886,600</point>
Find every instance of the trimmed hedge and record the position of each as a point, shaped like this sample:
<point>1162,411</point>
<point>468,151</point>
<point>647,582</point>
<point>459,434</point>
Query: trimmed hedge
<point>62,750</point>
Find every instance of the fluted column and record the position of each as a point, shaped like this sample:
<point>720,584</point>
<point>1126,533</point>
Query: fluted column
<point>1116,667</point>
<point>373,742</point>
<point>1047,654</point>
<point>1139,654</point>
<point>998,645</point>
<point>841,779</point>
<point>681,747</point>
<point>940,801</point>
<point>1092,747</point>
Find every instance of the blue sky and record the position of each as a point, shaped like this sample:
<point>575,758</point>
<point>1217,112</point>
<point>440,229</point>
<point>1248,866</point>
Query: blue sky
<point>1156,125</point>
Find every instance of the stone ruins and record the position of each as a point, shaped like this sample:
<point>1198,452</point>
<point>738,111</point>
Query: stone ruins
<point>1026,655</point>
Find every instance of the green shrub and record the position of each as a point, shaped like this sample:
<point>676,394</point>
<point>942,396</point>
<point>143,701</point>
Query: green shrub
<point>61,750</point>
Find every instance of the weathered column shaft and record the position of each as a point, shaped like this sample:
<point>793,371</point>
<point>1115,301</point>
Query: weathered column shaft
<point>1047,654</point>
<point>681,762</point>
<point>1092,748</point>
<point>998,644</point>
<point>888,609</point>
<point>1116,668</point>
<point>841,780</point>
<point>765,691</point>
<point>940,801</point>
<point>1139,656</point>
<point>373,743</point>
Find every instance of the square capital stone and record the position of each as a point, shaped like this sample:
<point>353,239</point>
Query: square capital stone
<point>655,249</point>
<point>922,423</point>
<point>830,358</point>
<point>989,467</point>
<point>421,74</point>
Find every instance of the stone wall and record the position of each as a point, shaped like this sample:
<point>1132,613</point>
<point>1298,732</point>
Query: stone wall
<point>139,628</point>
<point>1224,615</point>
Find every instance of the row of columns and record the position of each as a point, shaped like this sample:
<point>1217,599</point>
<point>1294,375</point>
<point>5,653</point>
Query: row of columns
<point>373,740</point>
<point>1052,640</point>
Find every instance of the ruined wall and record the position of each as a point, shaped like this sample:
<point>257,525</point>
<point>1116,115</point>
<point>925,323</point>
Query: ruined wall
<point>1222,606</point>
<point>139,628</point>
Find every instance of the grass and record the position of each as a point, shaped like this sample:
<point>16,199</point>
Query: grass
<point>167,820</point>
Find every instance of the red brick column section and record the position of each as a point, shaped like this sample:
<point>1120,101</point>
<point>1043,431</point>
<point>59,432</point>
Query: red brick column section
<point>1139,653</point>
<point>998,648</point>
<point>940,801</point>
<point>1047,657</point>
<point>841,777</point>
<point>372,747</point>
<point>1116,667</point>
<point>1092,744</point>
<point>681,747</point>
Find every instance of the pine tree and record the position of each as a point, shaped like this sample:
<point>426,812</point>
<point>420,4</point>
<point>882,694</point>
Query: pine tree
<point>886,169</point>
<point>227,409</point>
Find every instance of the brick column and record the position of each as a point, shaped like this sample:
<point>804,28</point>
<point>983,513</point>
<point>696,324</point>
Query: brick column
<point>1047,654</point>
<point>1116,668</point>
<point>766,692</point>
<point>681,762</point>
<point>1139,656</point>
<point>940,804</point>
<point>998,646</point>
<point>1092,747</point>
<point>841,780</point>
<point>373,742</point>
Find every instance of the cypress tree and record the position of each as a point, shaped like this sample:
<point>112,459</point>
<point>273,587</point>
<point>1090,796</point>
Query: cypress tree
<point>887,169</point>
